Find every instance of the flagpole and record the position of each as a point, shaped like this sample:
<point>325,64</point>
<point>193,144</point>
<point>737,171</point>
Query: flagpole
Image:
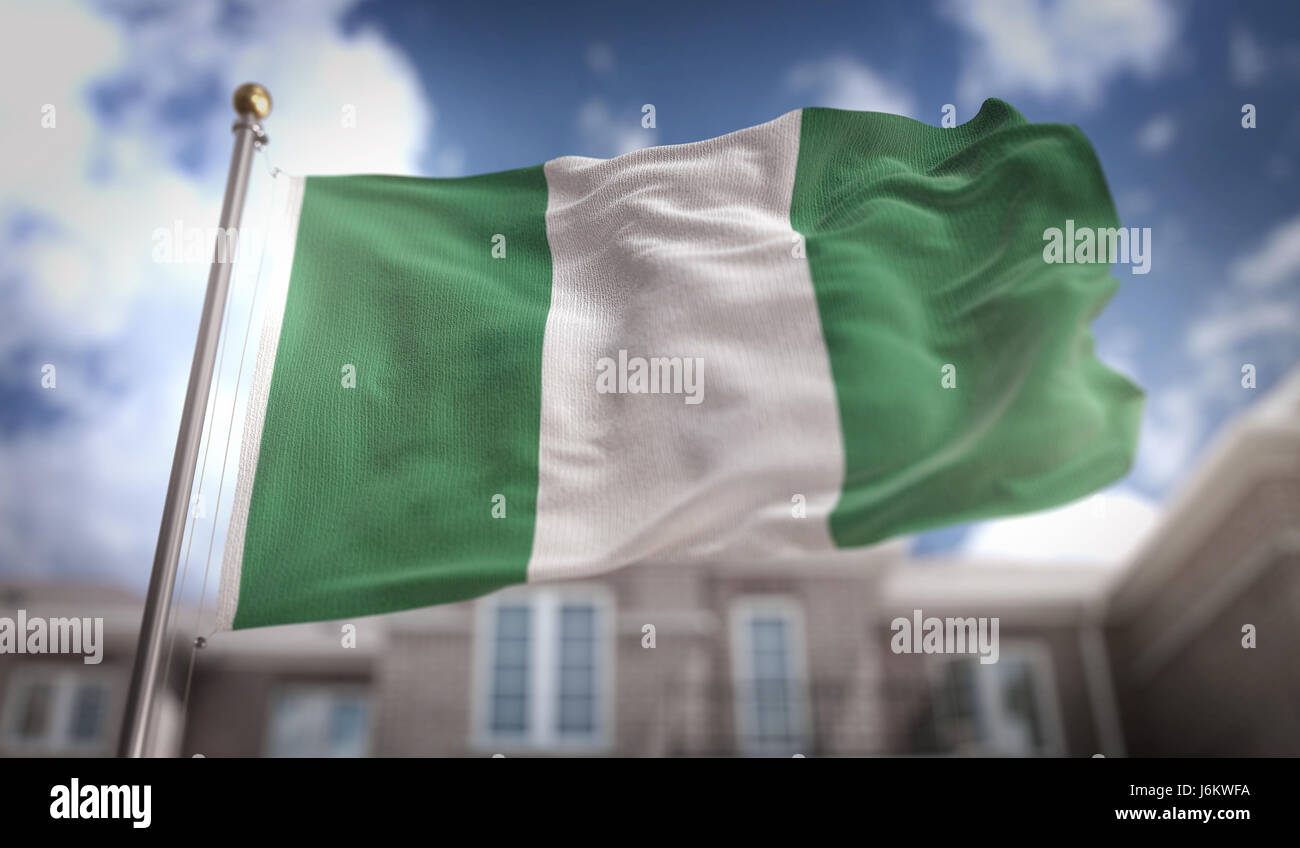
<point>252,104</point>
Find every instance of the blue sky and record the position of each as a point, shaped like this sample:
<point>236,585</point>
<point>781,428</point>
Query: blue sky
<point>444,89</point>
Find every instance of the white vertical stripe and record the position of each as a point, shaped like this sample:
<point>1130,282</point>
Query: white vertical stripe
<point>683,251</point>
<point>280,249</point>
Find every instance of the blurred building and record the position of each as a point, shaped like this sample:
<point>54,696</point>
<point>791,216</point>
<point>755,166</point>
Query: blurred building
<point>748,659</point>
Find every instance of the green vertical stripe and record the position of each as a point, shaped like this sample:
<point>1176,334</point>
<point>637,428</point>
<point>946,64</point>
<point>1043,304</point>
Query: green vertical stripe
<point>925,247</point>
<point>379,497</point>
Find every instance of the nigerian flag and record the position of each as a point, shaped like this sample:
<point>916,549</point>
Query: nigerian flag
<point>807,335</point>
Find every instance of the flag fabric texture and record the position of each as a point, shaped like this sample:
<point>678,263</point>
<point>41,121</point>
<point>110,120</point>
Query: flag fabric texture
<point>805,336</point>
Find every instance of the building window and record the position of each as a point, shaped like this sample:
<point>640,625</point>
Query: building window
<point>89,706</point>
<point>545,668</point>
<point>510,670</point>
<point>577,670</point>
<point>1008,707</point>
<point>53,711</point>
<point>319,722</point>
<point>770,685</point>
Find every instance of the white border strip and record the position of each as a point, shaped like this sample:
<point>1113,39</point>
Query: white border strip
<point>283,240</point>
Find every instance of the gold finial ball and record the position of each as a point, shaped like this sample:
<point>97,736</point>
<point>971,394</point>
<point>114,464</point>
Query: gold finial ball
<point>251,99</point>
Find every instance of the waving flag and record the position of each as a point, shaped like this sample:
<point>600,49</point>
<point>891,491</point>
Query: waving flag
<point>808,335</point>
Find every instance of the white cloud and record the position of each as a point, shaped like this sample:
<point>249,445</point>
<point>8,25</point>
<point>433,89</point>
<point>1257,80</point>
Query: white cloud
<point>1279,168</point>
<point>1157,134</point>
<point>1226,328</point>
<point>841,82</point>
<point>1135,203</point>
<point>1247,62</point>
<point>1276,261</point>
<point>1256,320</point>
<point>450,162</point>
<point>608,135</point>
<point>1119,349</point>
<point>106,224</point>
<point>1070,48</point>
<point>600,57</point>
<point>1253,62</point>
<point>1104,528</point>
<point>1172,427</point>
<point>82,492</point>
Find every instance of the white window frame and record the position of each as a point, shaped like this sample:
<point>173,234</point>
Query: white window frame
<point>331,689</point>
<point>541,734</point>
<point>993,723</point>
<point>65,681</point>
<point>743,611</point>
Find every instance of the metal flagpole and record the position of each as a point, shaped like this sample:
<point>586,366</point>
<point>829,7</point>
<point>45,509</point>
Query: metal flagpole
<point>252,104</point>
